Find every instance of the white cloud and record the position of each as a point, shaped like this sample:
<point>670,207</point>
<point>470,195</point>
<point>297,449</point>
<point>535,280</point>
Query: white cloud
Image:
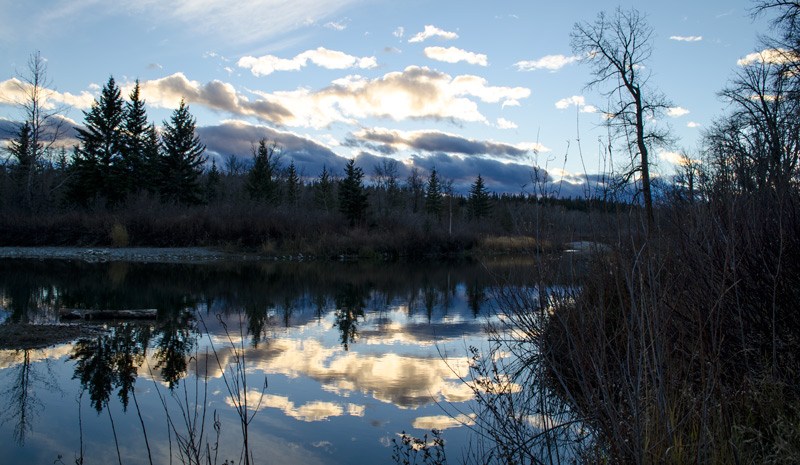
<point>330,59</point>
<point>775,56</point>
<point>687,38</point>
<point>15,92</point>
<point>398,32</point>
<point>551,62</point>
<point>511,103</point>
<point>692,124</point>
<point>675,112</point>
<point>338,26</point>
<point>589,109</point>
<point>577,100</point>
<point>442,422</point>
<point>454,55</point>
<point>431,31</point>
<point>503,123</point>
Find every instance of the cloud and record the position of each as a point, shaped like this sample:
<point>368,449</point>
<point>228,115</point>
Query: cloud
<point>687,38</point>
<point>15,92</point>
<point>431,31</point>
<point>440,142</point>
<point>772,56</point>
<point>577,100</point>
<point>330,59</point>
<point>503,123</point>
<point>551,62</point>
<point>216,95</point>
<point>392,50</point>
<point>692,124</point>
<point>152,66</point>
<point>676,112</point>
<point>442,422</point>
<point>338,26</point>
<point>310,411</point>
<point>236,137</point>
<point>454,55</point>
<point>398,32</point>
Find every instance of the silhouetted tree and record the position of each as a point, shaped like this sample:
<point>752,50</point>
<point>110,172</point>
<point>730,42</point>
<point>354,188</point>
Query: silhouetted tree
<point>98,168</point>
<point>183,157</point>
<point>433,195</point>
<point>261,183</point>
<point>352,196</point>
<point>619,48</point>
<point>323,190</point>
<point>141,160</point>
<point>212,183</point>
<point>479,202</point>
<point>292,185</point>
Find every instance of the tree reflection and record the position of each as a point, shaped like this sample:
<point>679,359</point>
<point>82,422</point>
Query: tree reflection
<point>177,338</point>
<point>350,304</point>
<point>23,405</point>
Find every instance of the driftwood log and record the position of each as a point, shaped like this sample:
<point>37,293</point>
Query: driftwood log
<point>89,315</point>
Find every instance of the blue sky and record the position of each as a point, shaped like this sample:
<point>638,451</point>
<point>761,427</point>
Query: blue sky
<point>468,87</point>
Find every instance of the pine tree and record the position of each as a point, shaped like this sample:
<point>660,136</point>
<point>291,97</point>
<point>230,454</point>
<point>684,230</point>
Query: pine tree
<point>479,204</point>
<point>292,186</point>
<point>352,196</point>
<point>140,155</point>
<point>98,166</point>
<point>211,183</point>
<point>261,183</point>
<point>22,151</point>
<point>183,157</point>
<point>433,195</point>
<point>323,190</point>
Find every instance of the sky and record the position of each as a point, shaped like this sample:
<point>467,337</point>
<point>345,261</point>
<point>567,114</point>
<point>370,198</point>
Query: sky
<point>468,88</point>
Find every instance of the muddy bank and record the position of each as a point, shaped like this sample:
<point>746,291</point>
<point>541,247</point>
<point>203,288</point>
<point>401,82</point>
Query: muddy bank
<point>130,254</point>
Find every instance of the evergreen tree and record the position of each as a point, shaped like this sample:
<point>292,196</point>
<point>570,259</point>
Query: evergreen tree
<point>292,186</point>
<point>261,183</point>
<point>183,157</point>
<point>212,183</point>
<point>98,166</point>
<point>140,155</point>
<point>433,195</point>
<point>323,190</point>
<point>479,203</point>
<point>352,195</point>
<point>22,151</point>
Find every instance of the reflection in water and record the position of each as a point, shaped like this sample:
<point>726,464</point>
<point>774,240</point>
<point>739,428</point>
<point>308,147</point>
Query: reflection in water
<point>351,351</point>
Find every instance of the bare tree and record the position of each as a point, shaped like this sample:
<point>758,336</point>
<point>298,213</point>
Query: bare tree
<point>41,115</point>
<point>618,47</point>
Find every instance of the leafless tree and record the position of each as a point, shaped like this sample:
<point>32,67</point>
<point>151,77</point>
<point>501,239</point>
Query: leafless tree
<point>41,113</point>
<point>619,47</point>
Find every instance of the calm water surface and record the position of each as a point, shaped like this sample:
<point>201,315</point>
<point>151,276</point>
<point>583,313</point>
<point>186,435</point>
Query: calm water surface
<point>339,359</point>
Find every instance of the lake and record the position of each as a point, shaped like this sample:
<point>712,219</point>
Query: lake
<point>326,362</point>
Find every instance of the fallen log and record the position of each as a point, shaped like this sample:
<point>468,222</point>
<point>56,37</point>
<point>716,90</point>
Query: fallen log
<point>90,315</point>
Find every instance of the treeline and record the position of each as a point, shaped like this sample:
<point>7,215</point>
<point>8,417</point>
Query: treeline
<point>128,183</point>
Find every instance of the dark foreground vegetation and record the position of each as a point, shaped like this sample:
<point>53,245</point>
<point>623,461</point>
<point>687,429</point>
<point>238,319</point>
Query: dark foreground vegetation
<point>682,343</point>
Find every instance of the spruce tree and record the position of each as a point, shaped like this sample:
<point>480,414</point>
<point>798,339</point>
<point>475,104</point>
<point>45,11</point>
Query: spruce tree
<point>22,152</point>
<point>140,155</point>
<point>433,195</point>
<point>211,183</point>
<point>98,168</point>
<point>323,190</point>
<point>292,186</point>
<point>352,195</point>
<point>183,157</point>
<point>479,204</point>
<point>261,183</point>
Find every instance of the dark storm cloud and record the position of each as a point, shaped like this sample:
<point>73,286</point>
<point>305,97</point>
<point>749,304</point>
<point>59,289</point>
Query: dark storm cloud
<point>236,137</point>
<point>433,142</point>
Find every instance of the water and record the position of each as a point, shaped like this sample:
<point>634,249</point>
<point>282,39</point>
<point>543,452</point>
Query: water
<point>339,360</point>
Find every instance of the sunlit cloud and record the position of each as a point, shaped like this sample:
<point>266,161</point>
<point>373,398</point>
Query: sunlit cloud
<point>322,57</point>
<point>398,32</point>
<point>578,101</point>
<point>310,411</point>
<point>676,112</point>
<point>693,124</point>
<point>454,55</point>
<point>443,422</point>
<point>436,141</point>
<point>15,92</point>
<point>773,56</point>
<point>431,31</point>
<point>549,62</point>
<point>503,123</point>
<point>686,38</point>
<point>217,95</point>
